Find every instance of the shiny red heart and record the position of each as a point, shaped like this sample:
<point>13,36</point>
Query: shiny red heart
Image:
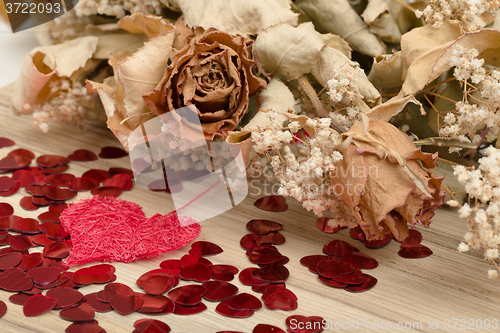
<point>98,175</point>
<point>158,284</point>
<point>196,272</point>
<point>83,155</point>
<point>332,269</point>
<point>85,327</point>
<point>26,226</point>
<point>413,240</point>
<point>303,324</point>
<point>41,240</point>
<point>250,241</point>
<point>50,216</point>
<point>60,179</point>
<point>6,222</point>
<point>19,298</point>
<point>332,283</point>
<point>56,193</point>
<point>415,252</point>
<point>262,227</point>
<point>56,250</point>
<point>107,191</point>
<point>97,305</point>
<point>272,238</point>
<point>26,203</point>
<point>30,261</point>
<point>264,255</point>
<point>273,273</point>
<point>248,279</point>
<point>80,184</point>
<point>265,328</point>
<point>6,142</point>
<point>223,272</point>
<point>375,244</point>
<point>224,309</point>
<point>126,304</point>
<point>272,203</point>
<point>54,231</point>
<point>219,290</point>
<point>91,275</point>
<point>120,180</point>
<point>53,170</point>
<point>142,280</point>
<point>245,301</point>
<point>323,225</point>
<point>6,183</point>
<point>281,300</point>
<point>189,310</point>
<point>10,260</point>
<point>354,278</point>
<point>3,308</point>
<point>38,304</point>
<point>359,260</point>
<point>44,275</point>
<point>116,170</point>
<point>25,177</point>
<point>80,313</point>
<point>114,289</point>
<point>66,297</point>
<point>338,248</point>
<point>22,153</point>
<point>12,191</point>
<point>190,259</point>
<point>6,209</point>
<point>368,283</point>
<point>188,295</point>
<point>151,326</point>
<point>50,161</point>
<point>203,248</point>
<point>35,191</point>
<point>155,304</point>
<point>14,162</point>
<point>61,280</point>
<point>173,265</point>
<point>112,152</point>
<point>312,261</point>
<point>20,242</point>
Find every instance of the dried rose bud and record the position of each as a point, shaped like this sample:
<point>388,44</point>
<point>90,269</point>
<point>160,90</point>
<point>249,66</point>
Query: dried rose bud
<point>383,196</point>
<point>213,72</point>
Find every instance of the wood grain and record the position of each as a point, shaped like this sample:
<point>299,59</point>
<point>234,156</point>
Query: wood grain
<point>446,285</point>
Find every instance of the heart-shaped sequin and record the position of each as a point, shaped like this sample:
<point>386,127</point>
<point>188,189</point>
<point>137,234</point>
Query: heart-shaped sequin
<point>114,289</point>
<point>56,193</point>
<point>156,304</point>
<point>272,203</point>
<point>303,324</point>
<point>80,313</point>
<point>50,161</point>
<point>368,283</point>
<point>196,272</point>
<point>324,226</point>
<point>158,284</point>
<point>262,227</point>
<point>275,238</point>
<point>273,273</point>
<point>188,295</point>
<point>338,248</point>
<point>224,309</point>
<point>107,191</point>
<point>6,142</point>
<point>151,326</point>
<point>219,290</point>
<point>250,242</point>
<point>91,275</point>
<point>223,272</point>
<point>10,260</point>
<point>332,269</point>
<point>38,304</point>
<point>126,304</point>
<point>25,177</point>
<point>98,175</point>
<point>246,277</point>
<point>30,261</point>
<point>190,259</point>
<point>189,310</point>
<point>96,304</point>
<point>66,297</point>
<point>120,180</point>
<point>3,308</point>
<point>415,252</point>
<point>44,275</point>
<point>112,152</point>
<point>6,209</point>
<point>60,179</point>
<point>265,328</point>
<point>203,248</point>
<point>85,327</point>
<point>83,155</point>
<point>80,184</point>
<point>264,255</point>
<point>280,299</point>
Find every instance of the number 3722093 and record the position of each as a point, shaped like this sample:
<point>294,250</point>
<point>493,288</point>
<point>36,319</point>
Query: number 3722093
<point>32,8</point>
<point>471,324</point>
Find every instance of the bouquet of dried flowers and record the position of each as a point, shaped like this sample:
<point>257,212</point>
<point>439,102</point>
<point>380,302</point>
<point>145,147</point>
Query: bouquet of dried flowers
<point>347,104</point>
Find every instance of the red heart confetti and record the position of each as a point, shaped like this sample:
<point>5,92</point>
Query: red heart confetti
<point>189,310</point>
<point>12,191</point>
<point>415,252</point>
<point>22,153</point>
<point>53,231</point>
<point>26,203</point>
<point>98,175</point>
<point>219,290</point>
<point>59,282</point>
<point>156,304</point>
<point>50,161</point>
<point>273,273</point>
<point>264,255</point>
<point>3,308</point>
<point>142,280</point>
<point>115,171</point>
<point>38,304</point>
<point>20,242</point>
<point>56,250</point>
<point>6,209</point>
<point>25,177</point>
<point>323,225</point>
<point>57,169</point>
<point>6,222</point>
<point>281,300</point>
<point>50,216</point>
<point>30,261</point>
<point>190,259</point>
<point>97,305</point>
<point>173,265</point>
<point>332,283</point>
<point>250,242</point>
<point>56,193</point>
<point>83,155</point>
<point>414,239</point>
<point>151,326</point>
<point>41,201</point>
<point>265,328</point>
<point>262,227</point>
<point>14,162</point>
<point>6,183</point>
<point>224,309</point>
<point>359,260</point>
<point>338,248</point>
<point>26,226</point>
<point>6,142</point>
<point>120,180</point>
<point>91,275</point>
<point>83,184</point>
<point>368,283</point>
<point>41,240</point>
<point>272,238</point>
<point>248,279</point>
<point>197,272</point>
<point>114,289</point>
<point>223,272</point>
<point>334,268</point>
<point>126,304</point>
<point>80,313</point>
<point>60,179</point>
<point>158,284</point>
<point>19,298</point>
<point>35,191</point>
<point>10,260</point>
<point>272,203</point>
<point>85,327</point>
<point>188,295</point>
<point>66,297</point>
<point>303,324</point>
<point>107,191</point>
<point>112,152</point>
<point>44,275</point>
<point>203,248</point>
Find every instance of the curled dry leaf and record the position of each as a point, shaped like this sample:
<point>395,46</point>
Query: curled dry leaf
<point>381,16</point>
<point>392,107</point>
<point>338,17</point>
<point>332,60</point>
<point>135,74</point>
<point>236,16</point>
<point>336,42</point>
<point>384,183</point>
<point>387,71</point>
<point>50,62</point>
<point>289,52</point>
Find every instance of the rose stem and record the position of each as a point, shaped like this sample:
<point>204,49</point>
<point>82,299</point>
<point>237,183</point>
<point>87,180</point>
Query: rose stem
<point>320,109</point>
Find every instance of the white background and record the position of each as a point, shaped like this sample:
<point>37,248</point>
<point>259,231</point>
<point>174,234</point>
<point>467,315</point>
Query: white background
<point>13,49</point>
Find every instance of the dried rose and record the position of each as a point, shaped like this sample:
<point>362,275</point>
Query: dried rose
<point>383,182</point>
<point>213,72</point>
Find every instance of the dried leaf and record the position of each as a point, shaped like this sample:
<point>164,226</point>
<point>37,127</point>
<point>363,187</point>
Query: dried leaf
<point>336,42</point>
<point>236,16</point>
<point>332,59</point>
<point>374,10</point>
<point>386,27</point>
<point>387,110</point>
<point>445,142</point>
<point>338,17</point>
<point>387,71</point>
<point>61,60</point>
<point>289,52</point>
<point>115,43</point>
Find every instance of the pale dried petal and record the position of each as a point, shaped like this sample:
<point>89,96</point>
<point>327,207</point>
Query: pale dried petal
<point>392,107</point>
<point>336,42</point>
<point>387,71</point>
<point>289,52</point>
<point>338,17</point>
<point>236,16</point>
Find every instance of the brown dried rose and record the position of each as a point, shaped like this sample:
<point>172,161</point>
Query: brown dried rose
<point>213,72</point>
<point>384,184</point>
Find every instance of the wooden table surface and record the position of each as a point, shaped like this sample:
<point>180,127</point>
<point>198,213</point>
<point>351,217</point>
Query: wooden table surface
<point>447,285</point>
